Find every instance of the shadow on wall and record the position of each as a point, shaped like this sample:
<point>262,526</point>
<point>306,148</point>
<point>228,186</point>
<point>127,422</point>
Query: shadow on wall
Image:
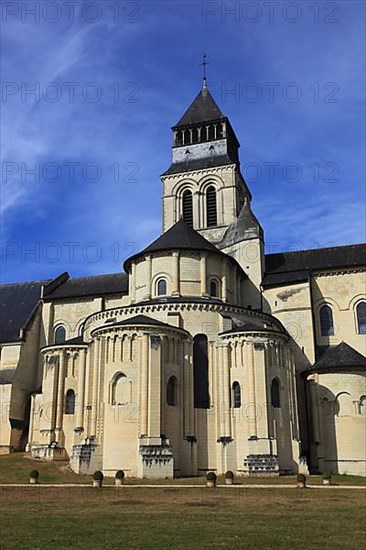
<point>282,427</point>
<point>329,409</point>
<point>201,397</point>
<point>26,381</point>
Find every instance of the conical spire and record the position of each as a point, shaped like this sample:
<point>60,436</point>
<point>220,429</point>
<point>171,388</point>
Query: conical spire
<point>202,109</point>
<point>246,226</point>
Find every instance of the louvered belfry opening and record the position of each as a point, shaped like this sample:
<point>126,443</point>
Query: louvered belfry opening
<point>211,206</point>
<point>188,208</point>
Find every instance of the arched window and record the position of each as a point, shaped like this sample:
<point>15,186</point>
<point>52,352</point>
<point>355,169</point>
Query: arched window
<point>60,335</point>
<point>211,132</point>
<point>213,289</point>
<point>161,287</point>
<point>179,138</point>
<point>171,391</point>
<point>326,321</point>
<point>121,389</point>
<point>186,137</point>
<point>200,372</point>
<point>362,405</point>
<point>187,209</point>
<point>70,402</point>
<point>361,318</point>
<point>211,208</point>
<point>275,393</point>
<point>345,405</point>
<point>194,135</point>
<point>236,395</point>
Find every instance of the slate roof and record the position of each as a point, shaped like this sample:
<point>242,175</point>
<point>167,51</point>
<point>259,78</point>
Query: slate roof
<point>294,266</point>
<point>6,376</point>
<point>179,237</point>
<point>18,302</point>
<point>95,285</point>
<point>246,226</point>
<point>199,164</point>
<point>143,320</point>
<point>77,341</point>
<point>252,327</point>
<point>202,109</point>
<point>274,279</point>
<point>340,357</point>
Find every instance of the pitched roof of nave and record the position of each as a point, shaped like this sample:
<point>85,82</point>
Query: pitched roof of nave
<point>18,302</point>
<point>202,109</point>
<point>342,356</point>
<point>94,285</point>
<point>284,267</point>
<point>178,237</point>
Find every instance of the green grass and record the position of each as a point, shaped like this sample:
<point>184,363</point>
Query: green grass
<point>15,468</point>
<point>76,517</point>
<point>178,518</point>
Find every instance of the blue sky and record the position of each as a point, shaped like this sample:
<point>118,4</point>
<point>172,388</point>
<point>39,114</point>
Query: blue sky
<point>108,91</point>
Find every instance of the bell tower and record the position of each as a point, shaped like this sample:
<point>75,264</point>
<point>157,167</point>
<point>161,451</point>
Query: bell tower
<point>203,184</point>
<point>205,187</point>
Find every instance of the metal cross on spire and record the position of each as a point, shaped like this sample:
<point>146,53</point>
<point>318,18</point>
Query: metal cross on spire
<point>204,63</point>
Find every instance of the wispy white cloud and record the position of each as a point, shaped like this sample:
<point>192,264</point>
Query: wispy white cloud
<point>160,55</point>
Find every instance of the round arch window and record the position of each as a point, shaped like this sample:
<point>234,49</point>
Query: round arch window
<point>60,334</point>
<point>161,287</point>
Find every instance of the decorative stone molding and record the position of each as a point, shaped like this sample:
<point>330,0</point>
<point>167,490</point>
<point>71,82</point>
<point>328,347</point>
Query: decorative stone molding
<point>334,272</point>
<point>225,440</point>
<point>69,349</point>
<point>261,464</point>
<point>156,454</point>
<point>84,457</point>
<point>131,310</point>
<point>48,452</point>
<point>259,346</point>
<point>113,332</point>
<point>206,171</point>
<point>157,460</point>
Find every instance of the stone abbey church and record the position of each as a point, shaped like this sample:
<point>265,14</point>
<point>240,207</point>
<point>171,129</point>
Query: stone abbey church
<point>206,353</point>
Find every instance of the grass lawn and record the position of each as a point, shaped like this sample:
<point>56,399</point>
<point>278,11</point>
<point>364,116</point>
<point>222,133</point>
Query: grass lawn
<point>181,518</point>
<point>15,468</point>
